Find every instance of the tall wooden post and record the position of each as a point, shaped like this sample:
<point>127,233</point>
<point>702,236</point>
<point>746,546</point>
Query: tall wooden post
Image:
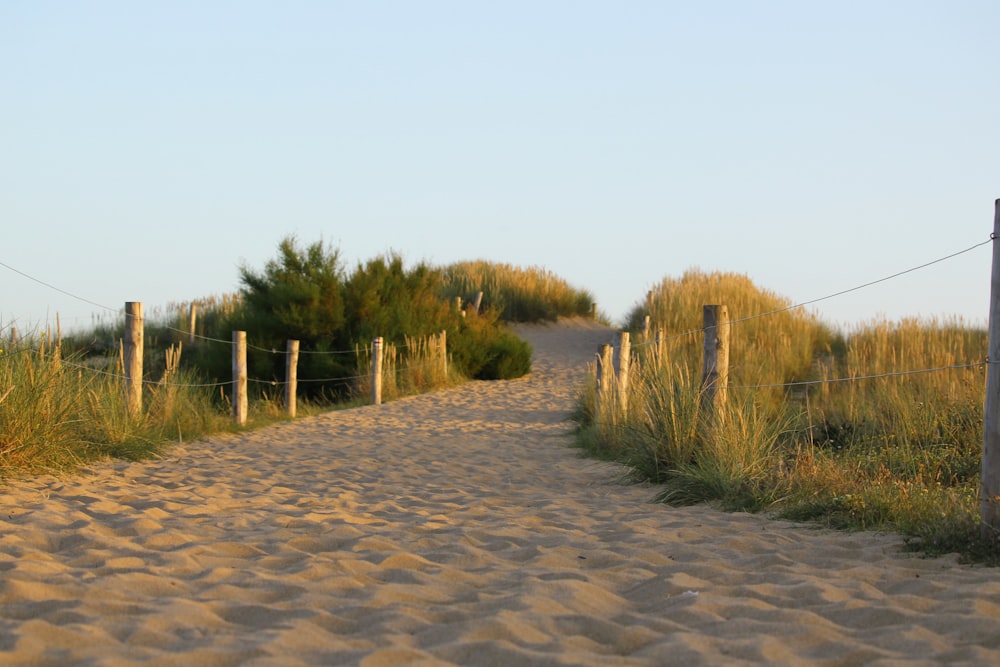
<point>624,364</point>
<point>240,401</point>
<point>989,493</point>
<point>132,357</point>
<point>715,367</point>
<point>291,376</point>
<point>377,371</point>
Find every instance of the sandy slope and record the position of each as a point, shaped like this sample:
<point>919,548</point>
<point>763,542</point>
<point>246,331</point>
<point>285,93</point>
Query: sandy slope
<point>453,528</point>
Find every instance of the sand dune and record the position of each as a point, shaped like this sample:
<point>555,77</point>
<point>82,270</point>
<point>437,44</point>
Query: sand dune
<point>456,528</point>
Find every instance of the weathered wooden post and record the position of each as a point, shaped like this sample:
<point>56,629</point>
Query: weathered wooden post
<point>989,493</point>
<point>377,371</point>
<point>291,376</point>
<point>715,367</point>
<point>132,357</point>
<point>13,336</point>
<point>240,400</point>
<point>192,318</point>
<point>443,347</point>
<point>624,363</point>
<point>478,303</point>
<point>645,328</point>
<point>605,375</point>
<point>593,312</point>
<point>661,349</point>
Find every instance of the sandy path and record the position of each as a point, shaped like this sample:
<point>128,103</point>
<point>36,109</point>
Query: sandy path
<point>453,528</point>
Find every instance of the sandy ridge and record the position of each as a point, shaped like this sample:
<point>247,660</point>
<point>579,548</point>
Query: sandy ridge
<point>451,529</point>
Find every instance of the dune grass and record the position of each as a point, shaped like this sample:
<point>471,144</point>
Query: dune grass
<point>518,294</point>
<point>61,400</point>
<point>61,411</point>
<point>880,451</point>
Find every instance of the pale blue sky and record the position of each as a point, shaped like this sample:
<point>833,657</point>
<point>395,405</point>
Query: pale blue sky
<point>147,148</point>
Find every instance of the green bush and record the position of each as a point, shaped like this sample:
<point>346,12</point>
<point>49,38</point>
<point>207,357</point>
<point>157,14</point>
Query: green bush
<point>508,357</point>
<point>306,294</point>
<point>483,349</point>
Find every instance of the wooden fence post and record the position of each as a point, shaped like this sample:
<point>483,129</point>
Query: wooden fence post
<point>291,376</point>
<point>715,368</point>
<point>443,345</point>
<point>478,302</point>
<point>660,353</point>
<point>989,493</point>
<point>624,364</point>
<point>377,371</point>
<point>593,312</point>
<point>240,401</point>
<point>605,374</point>
<point>192,317</point>
<point>132,357</point>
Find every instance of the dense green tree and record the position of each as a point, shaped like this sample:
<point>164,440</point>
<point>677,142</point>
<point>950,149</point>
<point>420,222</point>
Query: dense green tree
<point>298,295</point>
<point>384,298</point>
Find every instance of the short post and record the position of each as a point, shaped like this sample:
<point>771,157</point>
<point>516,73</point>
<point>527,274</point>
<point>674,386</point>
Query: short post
<point>660,349</point>
<point>624,363</point>
<point>715,367</point>
<point>291,376</point>
<point>989,493</point>
<point>593,312</point>
<point>377,371</point>
<point>605,374</point>
<point>13,336</point>
<point>478,303</point>
<point>240,401</point>
<point>443,350</point>
<point>132,357</point>
<point>645,328</point>
<point>192,317</point>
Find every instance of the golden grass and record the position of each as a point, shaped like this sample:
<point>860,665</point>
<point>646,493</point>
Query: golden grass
<point>899,451</point>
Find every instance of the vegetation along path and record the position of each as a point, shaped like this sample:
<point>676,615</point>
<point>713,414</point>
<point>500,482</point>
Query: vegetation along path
<point>453,528</point>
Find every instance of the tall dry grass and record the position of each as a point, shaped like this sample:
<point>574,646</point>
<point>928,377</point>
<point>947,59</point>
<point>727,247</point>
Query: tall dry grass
<point>519,294</point>
<point>898,451</point>
<point>418,365</point>
<point>60,410</point>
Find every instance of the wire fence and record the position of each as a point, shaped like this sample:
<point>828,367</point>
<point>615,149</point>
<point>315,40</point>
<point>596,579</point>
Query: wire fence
<point>692,332</point>
<point>901,373</point>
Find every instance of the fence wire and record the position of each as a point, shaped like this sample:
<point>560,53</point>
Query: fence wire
<point>665,339</point>
<point>694,332</point>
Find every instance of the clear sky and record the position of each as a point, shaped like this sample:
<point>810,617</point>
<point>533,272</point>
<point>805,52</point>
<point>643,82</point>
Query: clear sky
<point>148,148</point>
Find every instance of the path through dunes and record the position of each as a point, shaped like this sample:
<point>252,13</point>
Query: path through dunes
<point>455,528</point>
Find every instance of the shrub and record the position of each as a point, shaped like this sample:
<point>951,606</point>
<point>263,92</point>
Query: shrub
<point>484,350</point>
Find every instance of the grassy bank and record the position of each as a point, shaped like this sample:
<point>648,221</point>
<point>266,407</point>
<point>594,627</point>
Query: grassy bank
<point>61,400</point>
<point>819,425</point>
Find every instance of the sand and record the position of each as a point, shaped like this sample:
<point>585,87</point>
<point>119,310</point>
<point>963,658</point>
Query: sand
<point>454,528</point>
